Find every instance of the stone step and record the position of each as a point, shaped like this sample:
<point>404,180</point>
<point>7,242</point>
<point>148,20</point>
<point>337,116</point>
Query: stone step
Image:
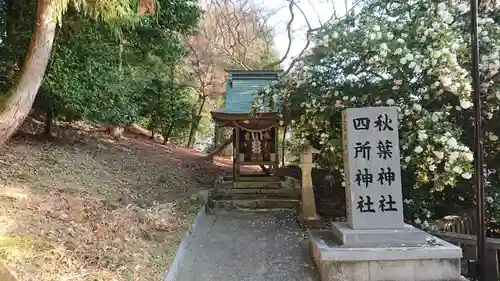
<point>258,191</point>
<point>256,184</point>
<point>254,204</point>
<point>253,196</point>
<point>254,178</point>
<point>220,211</point>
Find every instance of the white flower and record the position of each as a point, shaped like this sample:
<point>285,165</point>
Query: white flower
<point>409,57</point>
<point>376,28</point>
<point>493,137</point>
<point>465,104</point>
<point>390,102</point>
<point>351,77</point>
<point>335,35</point>
<point>418,221</point>
<point>458,169</point>
<point>445,80</point>
<point>467,176</point>
<point>422,136</point>
<point>462,8</point>
<point>425,224</point>
<point>343,183</point>
<point>389,35</point>
<point>418,149</point>
<point>417,107</point>
<point>452,142</point>
<point>439,155</point>
<point>469,156</point>
<point>432,167</point>
<point>417,69</point>
<point>489,199</point>
<point>453,157</point>
<point>435,117</point>
<point>436,54</point>
<point>407,159</point>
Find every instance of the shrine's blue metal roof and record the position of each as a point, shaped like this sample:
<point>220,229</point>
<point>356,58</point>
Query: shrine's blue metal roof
<point>242,86</point>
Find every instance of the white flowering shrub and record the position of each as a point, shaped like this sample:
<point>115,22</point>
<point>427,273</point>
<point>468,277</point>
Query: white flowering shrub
<point>414,55</point>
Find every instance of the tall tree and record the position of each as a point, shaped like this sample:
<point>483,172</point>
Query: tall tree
<point>232,34</point>
<point>16,103</point>
<point>84,67</point>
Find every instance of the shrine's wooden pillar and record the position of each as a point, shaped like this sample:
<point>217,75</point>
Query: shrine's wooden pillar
<point>236,165</point>
<point>276,147</point>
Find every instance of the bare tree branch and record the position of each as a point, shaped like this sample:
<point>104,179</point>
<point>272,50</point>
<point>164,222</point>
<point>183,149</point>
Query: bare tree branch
<point>289,35</point>
<point>309,31</point>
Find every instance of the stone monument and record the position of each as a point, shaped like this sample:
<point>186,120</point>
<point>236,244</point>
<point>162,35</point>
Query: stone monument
<point>375,244</point>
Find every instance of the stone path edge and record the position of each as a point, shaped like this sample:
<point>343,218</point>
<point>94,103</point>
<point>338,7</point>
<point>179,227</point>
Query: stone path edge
<point>171,274</point>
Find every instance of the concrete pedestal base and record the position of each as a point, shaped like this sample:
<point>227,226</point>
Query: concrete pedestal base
<point>407,236</point>
<point>311,222</point>
<point>437,260</point>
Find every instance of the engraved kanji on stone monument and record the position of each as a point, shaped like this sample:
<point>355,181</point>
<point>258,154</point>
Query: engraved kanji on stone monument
<point>372,169</point>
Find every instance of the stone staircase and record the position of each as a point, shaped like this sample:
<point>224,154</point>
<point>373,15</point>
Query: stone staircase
<point>253,193</point>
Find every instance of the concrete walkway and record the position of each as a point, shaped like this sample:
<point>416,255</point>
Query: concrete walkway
<point>243,247</point>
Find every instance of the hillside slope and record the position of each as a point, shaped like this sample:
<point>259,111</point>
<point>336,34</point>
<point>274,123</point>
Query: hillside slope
<point>85,207</point>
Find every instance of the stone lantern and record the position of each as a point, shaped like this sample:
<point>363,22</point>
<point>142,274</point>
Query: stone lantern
<point>308,213</point>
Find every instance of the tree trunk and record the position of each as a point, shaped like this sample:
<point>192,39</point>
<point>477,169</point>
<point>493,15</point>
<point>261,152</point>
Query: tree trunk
<point>166,137</point>
<point>218,150</point>
<point>49,118</point>
<point>217,135</point>
<point>195,123</point>
<point>17,102</point>
<point>283,145</point>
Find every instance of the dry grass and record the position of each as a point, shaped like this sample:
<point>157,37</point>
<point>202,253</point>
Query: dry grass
<point>84,207</point>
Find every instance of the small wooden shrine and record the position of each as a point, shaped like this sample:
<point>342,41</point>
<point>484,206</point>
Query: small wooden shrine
<point>255,135</point>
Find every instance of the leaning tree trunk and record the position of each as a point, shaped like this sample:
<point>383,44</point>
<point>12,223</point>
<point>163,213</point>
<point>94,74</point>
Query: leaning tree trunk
<point>16,103</point>
<point>218,150</point>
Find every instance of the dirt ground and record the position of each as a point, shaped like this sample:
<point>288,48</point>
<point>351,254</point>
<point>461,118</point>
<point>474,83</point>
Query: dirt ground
<point>86,207</point>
